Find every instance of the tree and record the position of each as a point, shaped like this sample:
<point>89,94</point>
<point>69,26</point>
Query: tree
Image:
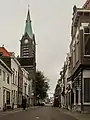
<point>42,85</point>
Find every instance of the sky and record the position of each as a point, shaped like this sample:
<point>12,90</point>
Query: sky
<point>51,23</point>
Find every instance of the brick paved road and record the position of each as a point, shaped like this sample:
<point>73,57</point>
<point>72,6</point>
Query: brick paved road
<point>39,113</point>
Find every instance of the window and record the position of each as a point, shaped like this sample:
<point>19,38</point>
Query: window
<point>25,89</point>
<point>87,44</point>
<point>77,51</point>
<point>74,56</point>
<point>1,53</point>
<point>8,98</point>
<point>0,72</point>
<point>86,30</point>
<point>86,13</point>
<point>87,40</point>
<point>7,78</point>
<point>26,48</point>
<point>28,89</point>
<point>26,56</point>
<point>13,76</point>
<point>26,53</point>
<point>16,78</point>
<point>87,90</point>
<point>12,92</point>
<point>13,79</point>
<point>3,97</point>
<point>3,76</point>
<point>14,95</point>
<point>77,96</point>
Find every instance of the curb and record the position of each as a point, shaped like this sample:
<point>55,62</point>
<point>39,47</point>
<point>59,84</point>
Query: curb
<point>76,115</point>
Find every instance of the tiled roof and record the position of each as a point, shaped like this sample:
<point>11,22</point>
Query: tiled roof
<point>87,4</point>
<point>4,51</point>
<point>28,27</point>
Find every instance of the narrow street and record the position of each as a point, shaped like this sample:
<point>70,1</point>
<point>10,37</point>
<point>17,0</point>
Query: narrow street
<point>39,113</point>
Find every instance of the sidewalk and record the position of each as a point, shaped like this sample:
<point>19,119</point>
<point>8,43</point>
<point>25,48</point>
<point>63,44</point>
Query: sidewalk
<point>11,111</point>
<point>77,115</point>
<point>16,110</point>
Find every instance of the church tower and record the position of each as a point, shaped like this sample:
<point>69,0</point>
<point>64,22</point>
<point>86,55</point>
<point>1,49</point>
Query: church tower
<point>27,47</point>
<point>28,52</point>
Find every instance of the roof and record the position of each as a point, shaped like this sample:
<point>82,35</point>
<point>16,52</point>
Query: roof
<point>87,4</point>
<point>4,51</point>
<point>6,60</point>
<point>28,27</point>
<point>5,65</point>
<point>25,61</point>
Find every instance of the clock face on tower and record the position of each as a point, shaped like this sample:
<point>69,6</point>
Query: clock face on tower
<point>26,41</point>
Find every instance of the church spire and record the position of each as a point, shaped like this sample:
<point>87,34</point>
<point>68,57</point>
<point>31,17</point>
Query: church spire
<point>28,27</point>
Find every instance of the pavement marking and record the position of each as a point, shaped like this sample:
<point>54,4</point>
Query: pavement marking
<point>37,118</point>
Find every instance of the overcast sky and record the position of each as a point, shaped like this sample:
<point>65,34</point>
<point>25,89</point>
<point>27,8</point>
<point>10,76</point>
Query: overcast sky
<point>51,22</point>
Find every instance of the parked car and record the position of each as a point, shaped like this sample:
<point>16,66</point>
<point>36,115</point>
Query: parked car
<point>42,103</point>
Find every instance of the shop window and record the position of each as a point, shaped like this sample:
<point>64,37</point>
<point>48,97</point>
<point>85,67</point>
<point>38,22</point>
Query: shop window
<point>87,90</point>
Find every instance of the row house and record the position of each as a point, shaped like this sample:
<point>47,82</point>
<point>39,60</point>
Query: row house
<point>27,86</point>
<point>20,86</point>
<point>76,72</point>
<point>5,85</point>
<point>80,52</point>
<point>57,97</point>
<point>60,91</point>
<point>11,61</point>
<point>14,66</point>
<point>20,82</point>
<point>66,83</point>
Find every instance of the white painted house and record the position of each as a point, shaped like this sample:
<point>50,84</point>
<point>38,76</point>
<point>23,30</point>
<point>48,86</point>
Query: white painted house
<point>31,93</point>
<point>14,67</point>
<point>5,85</point>
<point>27,87</point>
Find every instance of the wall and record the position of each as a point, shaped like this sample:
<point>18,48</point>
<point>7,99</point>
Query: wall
<point>4,85</point>
<point>14,67</point>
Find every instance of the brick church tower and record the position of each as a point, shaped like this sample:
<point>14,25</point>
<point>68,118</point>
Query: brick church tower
<point>28,52</point>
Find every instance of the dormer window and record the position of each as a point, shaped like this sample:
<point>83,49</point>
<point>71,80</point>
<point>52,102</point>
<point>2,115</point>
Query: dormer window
<point>1,53</point>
